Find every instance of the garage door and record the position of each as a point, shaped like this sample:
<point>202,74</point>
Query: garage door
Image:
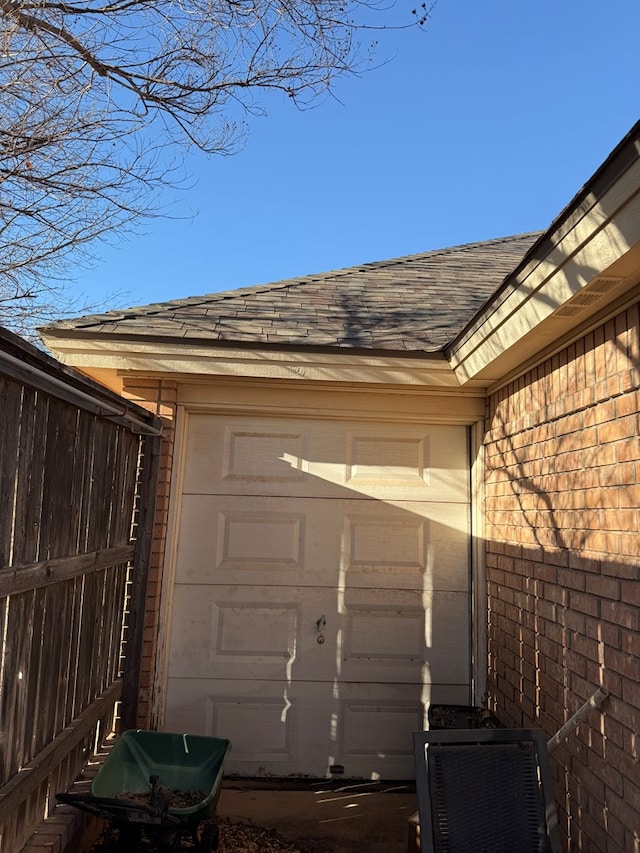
<point>321,594</point>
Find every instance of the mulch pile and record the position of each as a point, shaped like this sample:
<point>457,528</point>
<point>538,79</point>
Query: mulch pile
<point>178,799</point>
<point>234,838</point>
<point>247,838</point>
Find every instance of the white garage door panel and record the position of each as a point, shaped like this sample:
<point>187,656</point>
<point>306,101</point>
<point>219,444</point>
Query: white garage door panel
<point>397,636</point>
<point>259,718</point>
<point>252,632</point>
<point>274,632</point>
<point>277,727</point>
<point>281,456</point>
<point>321,590</point>
<point>314,542</point>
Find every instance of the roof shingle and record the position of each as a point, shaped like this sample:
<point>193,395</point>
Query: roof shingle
<point>418,303</point>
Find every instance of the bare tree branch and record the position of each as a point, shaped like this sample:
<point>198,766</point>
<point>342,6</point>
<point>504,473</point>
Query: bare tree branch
<point>97,97</point>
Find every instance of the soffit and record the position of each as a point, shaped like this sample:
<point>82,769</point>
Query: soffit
<point>588,260</point>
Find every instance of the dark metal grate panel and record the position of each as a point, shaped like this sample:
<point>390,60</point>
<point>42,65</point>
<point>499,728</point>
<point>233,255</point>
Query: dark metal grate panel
<point>485,791</point>
<point>487,800</point>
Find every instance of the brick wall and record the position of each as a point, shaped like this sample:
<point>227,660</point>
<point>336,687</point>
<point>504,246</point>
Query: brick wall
<point>563,564</point>
<point>160,397</point>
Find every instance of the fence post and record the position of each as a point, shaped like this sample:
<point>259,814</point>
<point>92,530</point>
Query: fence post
<point>137,603</point>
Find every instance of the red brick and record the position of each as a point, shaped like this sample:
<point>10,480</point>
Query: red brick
<point>618,429</point>
<point>601,586</point>
<point>622,519</point>
<point>584,603</point>
<point>627,404</point>
<point>601,413</point>
<point>626,814</point>
<point>630,592</point>
<point>626,714</point>
<point>621,614</point>
<point>595,838</point>
<point>550,715</point>
<point>597,541</point>
<point>579,503</point>
<point>618,567</point>
<point>585,646</point>
<point>630,642</point>
<point>632,795</point>
<point>550,649</point>
<point>628,450</point>
<point>594,672</point>
<point>614,732</point>
<point>631,693</point>
<point>576,663</point>
<point>550,689</point>
<point>573,579</point>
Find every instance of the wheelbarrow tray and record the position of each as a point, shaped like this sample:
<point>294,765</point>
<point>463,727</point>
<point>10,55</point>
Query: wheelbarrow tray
<point>183,762</point>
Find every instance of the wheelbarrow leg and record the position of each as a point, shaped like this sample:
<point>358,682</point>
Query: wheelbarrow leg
<point>209,838</point>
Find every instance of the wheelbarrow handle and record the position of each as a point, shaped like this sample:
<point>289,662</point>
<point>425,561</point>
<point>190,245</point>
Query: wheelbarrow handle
<point>108,807</point>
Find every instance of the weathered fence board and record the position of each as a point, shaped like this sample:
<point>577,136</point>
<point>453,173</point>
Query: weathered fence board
<point>9,436</point>
<point>69,475</point>
<point>49,572</point>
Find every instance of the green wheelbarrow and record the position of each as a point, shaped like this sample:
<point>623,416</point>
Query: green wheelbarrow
<point>159,787</point>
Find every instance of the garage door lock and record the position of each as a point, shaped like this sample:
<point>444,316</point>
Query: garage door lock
<point>320,623</point>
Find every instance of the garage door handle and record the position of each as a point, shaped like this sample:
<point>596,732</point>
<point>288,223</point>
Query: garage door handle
<point>320,623</point>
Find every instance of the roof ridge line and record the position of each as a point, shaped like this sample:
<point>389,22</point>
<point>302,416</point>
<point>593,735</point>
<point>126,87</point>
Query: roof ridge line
<point>447,250</point>
<point>210,299</point>
<point>343,271</point>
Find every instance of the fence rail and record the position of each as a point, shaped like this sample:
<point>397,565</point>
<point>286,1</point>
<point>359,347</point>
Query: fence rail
<point>74,459</point>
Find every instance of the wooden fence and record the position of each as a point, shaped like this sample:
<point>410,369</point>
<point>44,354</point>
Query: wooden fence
<point>77,479</point>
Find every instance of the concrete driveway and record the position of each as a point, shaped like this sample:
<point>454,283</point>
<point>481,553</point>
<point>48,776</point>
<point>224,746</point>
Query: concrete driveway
<point>353,818</point>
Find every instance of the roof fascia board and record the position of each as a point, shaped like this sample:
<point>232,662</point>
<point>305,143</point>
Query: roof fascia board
<point>113,354</point>
<point>612,310</point>
<point>589,241</point>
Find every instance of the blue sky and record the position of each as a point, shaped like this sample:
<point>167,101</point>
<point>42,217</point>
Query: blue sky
<point>484,125</point>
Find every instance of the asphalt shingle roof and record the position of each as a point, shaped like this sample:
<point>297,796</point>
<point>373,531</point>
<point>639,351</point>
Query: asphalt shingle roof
<point>418,303</point>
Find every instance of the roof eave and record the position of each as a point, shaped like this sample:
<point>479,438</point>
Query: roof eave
<point>588,259</point>
<point>136,354</point>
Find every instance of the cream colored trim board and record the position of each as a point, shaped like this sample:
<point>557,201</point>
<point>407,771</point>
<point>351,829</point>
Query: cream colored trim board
<point>535,309</point>
<point>577,333</point>
<point>479,597</point>
<point>183,358</point>
<point>332,400</point>
<point>459,418</point>
<point>333,403</point>
<point>351,388</point>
